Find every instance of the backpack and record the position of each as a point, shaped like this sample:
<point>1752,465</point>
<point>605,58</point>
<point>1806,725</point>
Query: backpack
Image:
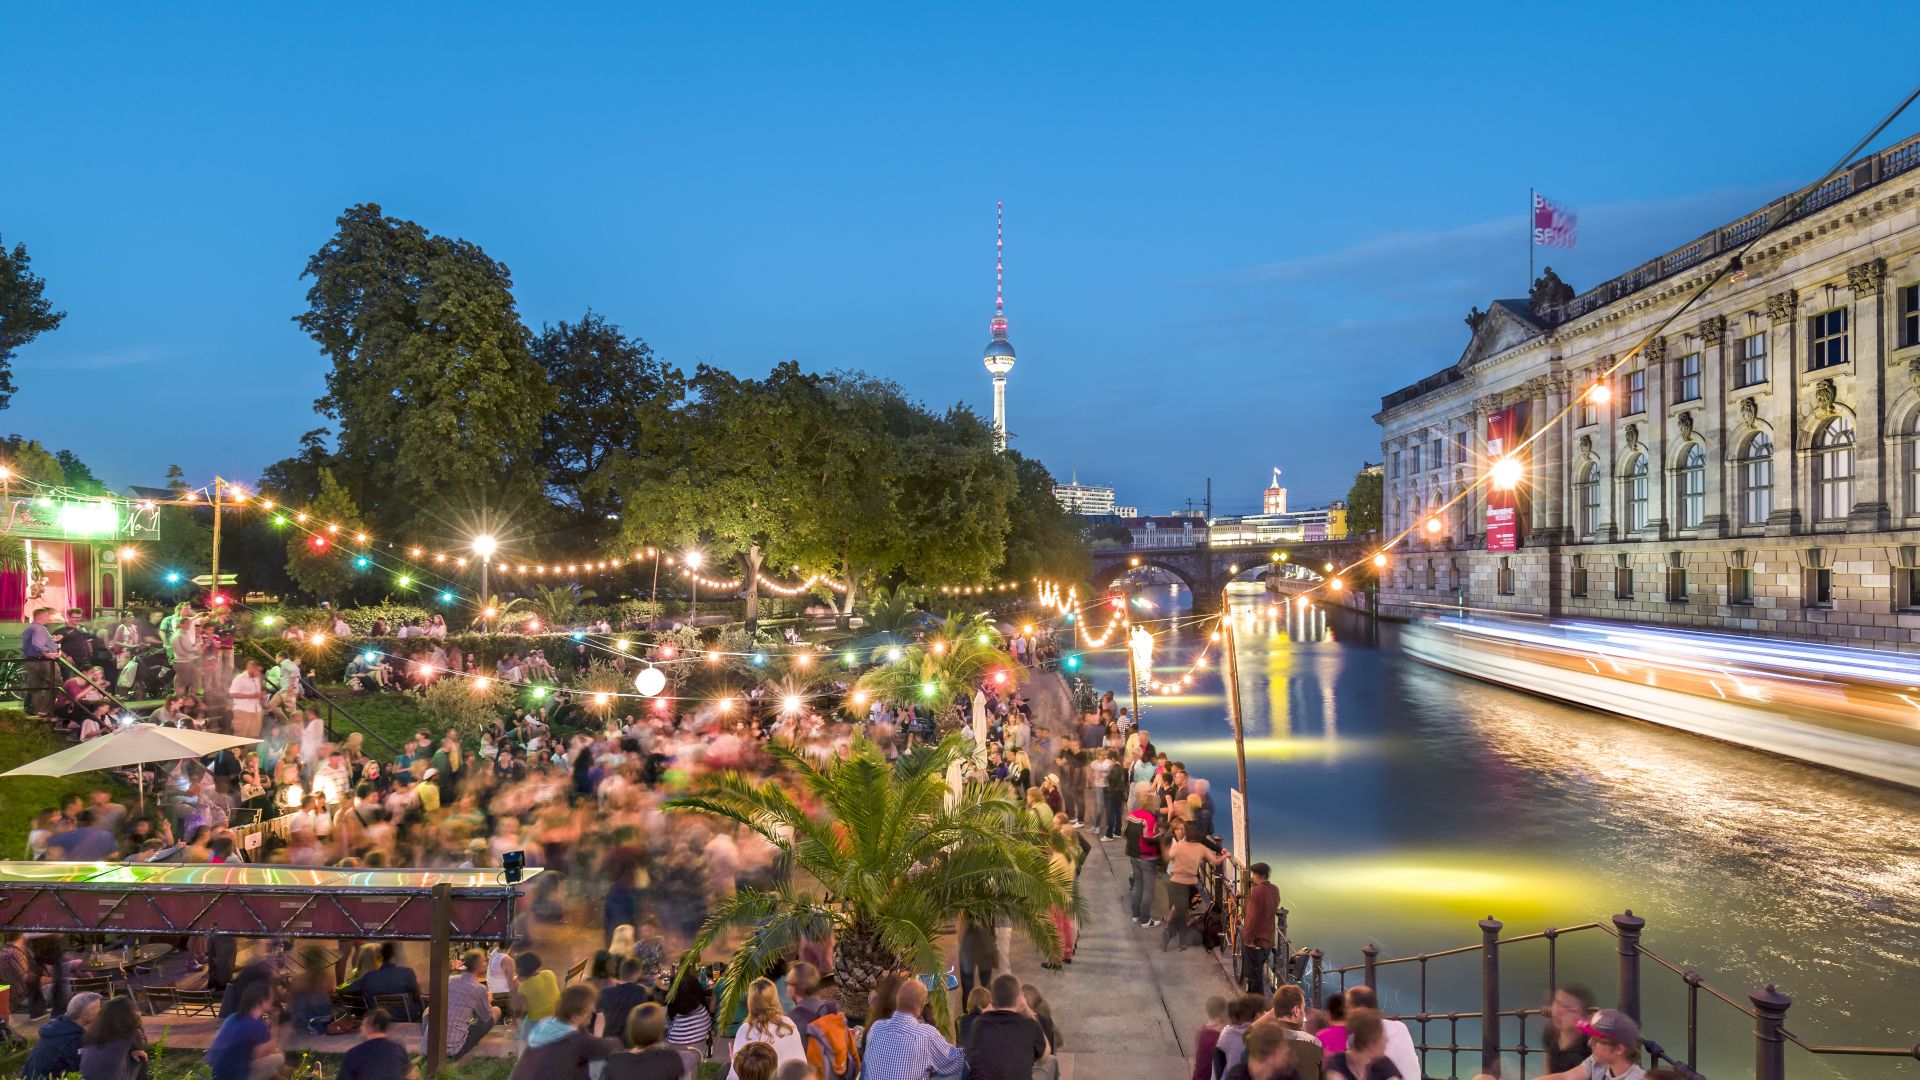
<point>831,1047</point>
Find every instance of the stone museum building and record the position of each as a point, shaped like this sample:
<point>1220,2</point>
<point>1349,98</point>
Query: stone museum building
<point>1755,468</point>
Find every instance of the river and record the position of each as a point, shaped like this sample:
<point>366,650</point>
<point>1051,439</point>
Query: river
<point>1399,804</point>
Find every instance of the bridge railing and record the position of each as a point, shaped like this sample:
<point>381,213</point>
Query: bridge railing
<point>1765,1007</point>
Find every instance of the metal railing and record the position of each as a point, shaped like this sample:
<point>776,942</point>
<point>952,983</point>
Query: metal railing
<point>1765,1007</point>
<point>330,710</point>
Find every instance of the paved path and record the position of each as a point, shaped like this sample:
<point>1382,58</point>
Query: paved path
<point>1124,1008</point>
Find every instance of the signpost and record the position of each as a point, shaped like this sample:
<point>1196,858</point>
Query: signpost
<point>206,581</point>
<point>1240,827</point>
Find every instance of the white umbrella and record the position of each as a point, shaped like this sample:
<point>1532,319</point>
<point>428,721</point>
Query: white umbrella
<point>137,744</point>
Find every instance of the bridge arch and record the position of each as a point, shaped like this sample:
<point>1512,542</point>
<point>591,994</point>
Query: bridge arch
<point>1106,572</point>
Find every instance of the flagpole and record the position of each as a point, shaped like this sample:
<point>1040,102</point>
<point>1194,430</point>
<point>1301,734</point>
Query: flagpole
<point>1529,232</point>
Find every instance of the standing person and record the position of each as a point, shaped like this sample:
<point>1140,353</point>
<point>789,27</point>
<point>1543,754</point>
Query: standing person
<point>979,957</point>
<point>1208,1037</point>
<point>37,650</point>
<point>243,1048</point>
<point>1231,1048</point>
<point>1333,1037</point>
<point>247,700</point>
<point>561,1047</point>
<point>1365,1057</point>
<point>1184,857</point>
<point>1097,772</point>
<point>1143,847</point>
<point>76,641</point>
<point>904,1047</point>
<point>1116,798</point>
<point>1613,1040</point>
<point>377,1057</point>
<point>1261,916</point>
<point>187,652</point>
<point>1003,1044</point>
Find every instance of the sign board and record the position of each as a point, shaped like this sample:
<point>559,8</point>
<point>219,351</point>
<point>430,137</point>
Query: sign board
<point>1240,826</point>
<point>206,580</point>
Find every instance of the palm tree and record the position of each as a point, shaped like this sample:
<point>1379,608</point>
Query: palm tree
<point>935,673</point>
<point>558,604</point>
<point>500,607</point>
<point>892,612</point>
<point>884,868</point>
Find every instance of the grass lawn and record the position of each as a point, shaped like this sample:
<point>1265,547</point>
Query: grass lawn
<point>394,715</point>
<point>23,740</point>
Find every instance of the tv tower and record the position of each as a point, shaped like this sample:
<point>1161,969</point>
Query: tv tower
<point>999,352</point>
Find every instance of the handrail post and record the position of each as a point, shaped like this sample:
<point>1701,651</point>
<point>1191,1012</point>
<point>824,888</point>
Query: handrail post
<point>1372,953</point>
<point>1490,995</point>
<point>1629,927</point>
<point>1769,1039</point>
<point>1319,985</point>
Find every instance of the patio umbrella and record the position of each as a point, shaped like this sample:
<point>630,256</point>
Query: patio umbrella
<point>136,744</point>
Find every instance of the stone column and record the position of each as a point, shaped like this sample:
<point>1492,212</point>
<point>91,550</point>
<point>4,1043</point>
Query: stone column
<point>1654,432</point>
<point>1873,454</point>
<point>1714,423</point>
<point>1783,373</point>
<point>1476,505</point>
<point>1613,505</point>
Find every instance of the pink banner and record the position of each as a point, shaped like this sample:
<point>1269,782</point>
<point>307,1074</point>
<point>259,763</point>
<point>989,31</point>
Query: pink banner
<point>1553,226</point>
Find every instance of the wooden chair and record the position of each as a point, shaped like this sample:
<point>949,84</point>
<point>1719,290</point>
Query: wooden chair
<point>196,1002</point>
<point>159,999</point>
<point>692,1059</point>
<point>401,1007</point>
<point>92,984</point>
<point>348,1003</point>
<point>577,972</point>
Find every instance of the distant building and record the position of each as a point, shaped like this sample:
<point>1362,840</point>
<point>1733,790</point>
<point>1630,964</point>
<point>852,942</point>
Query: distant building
<point>1274,499</point>
<point>1167,530</point>
<point>1087,500</point>
<point>1326,523</point>
<point>1126,511</point>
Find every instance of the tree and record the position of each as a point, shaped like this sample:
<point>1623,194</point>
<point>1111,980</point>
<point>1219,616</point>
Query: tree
<point>438,398</point>
<point>883,868</point>
<point>30,461</point>
<point>25,313</point>
<point>936,673</point>
<point>1363,503</point>
<point>556,605</point>
<point>321,562</point>
<point>295,481</point>
<point>1045,540</point>
<point>466,706</point>
<point>613,396</point>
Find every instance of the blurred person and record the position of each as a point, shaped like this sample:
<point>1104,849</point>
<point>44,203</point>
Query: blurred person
<point>1208,1037</point>
<point>1565,1044</point>
<point>1613,1049</point>
<point>647,1057</point>
<point>1365,1057</point>
<point>57,1052</point>
<point>377,1056</point>
<point>561,1046</point>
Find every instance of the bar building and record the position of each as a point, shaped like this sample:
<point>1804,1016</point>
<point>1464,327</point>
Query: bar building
<point>1755,468</point>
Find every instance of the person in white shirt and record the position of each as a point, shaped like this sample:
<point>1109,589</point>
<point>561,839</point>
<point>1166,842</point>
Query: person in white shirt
<point>1400,1049</point>
<point>248,699</point>
<point>187,652</point>
<point>767,1023</point>
<point>340,627</point>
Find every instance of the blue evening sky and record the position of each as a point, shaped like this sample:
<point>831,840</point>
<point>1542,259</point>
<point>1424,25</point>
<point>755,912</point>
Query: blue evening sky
<point>1230,228</point>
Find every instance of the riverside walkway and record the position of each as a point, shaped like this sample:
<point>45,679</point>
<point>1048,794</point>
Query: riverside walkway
<point>1123,1008</point>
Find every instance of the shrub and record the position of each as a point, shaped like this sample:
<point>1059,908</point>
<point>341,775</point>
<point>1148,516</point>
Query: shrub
<point>461,705</point>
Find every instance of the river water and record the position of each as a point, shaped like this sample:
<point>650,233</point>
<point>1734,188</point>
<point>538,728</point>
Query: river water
<point>1399,804</point>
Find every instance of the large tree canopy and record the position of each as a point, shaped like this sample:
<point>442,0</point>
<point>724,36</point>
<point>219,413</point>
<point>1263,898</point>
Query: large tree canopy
<point>1363,504</point>
<point>25,313</point>
<point>438,396</point>
<point>614,397</point>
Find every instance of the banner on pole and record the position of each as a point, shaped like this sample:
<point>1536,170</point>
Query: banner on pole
<point>1506,508</point>
<point>1240,826</point>
<point>1553,226</point>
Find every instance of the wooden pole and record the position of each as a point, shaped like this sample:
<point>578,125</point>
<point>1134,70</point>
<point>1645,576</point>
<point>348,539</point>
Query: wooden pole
<point>214,588</point>
<point>1231,668</point>
<point>440,973</point>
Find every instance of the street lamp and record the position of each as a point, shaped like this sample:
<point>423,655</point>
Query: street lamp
<point>484,546</point>
<point>693,559</point>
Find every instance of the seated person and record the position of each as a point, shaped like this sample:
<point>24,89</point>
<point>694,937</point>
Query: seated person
<point>391,978</point>
<point>98,721</point>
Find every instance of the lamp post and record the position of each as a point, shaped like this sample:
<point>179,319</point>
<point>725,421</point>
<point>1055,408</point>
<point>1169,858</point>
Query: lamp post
<point>1231,669</point>
<point>484,546</point>
<point>693,559</point>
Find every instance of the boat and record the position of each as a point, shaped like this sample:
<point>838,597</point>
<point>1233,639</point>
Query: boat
<point>1855,710</point>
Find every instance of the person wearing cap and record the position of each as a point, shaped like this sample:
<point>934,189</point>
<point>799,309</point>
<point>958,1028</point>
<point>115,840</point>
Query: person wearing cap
<point>1613,1044</point>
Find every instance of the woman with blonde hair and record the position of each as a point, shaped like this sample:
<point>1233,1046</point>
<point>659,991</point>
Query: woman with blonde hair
<point>621,943</point>
<point>768,1023</point>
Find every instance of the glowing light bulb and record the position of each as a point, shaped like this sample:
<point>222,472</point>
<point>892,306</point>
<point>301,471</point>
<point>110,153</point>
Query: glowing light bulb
<point>790,703</point>
<point>1599,393</point>
<point>482,683</point>
<point>1433,525</point>
<point>600,700</point>
<point>1380,560</point>
<point>1336,584</point>
<point>1507,473</point>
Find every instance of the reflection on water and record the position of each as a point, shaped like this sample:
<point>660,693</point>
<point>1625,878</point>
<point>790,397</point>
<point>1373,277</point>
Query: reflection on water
<point>1399,804</point>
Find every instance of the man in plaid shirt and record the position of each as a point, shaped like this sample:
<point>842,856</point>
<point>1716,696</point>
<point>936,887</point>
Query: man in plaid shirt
<point>470,1011</point>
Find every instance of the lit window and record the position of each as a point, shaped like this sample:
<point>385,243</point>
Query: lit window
<point>1829,345</point>
<point>1910,316</point>
<point>1636,391</point>
<point>1913,464</point>
<point>1687,378</point>
<point>1588,499</point>
<point>1751,360</point>
<point>1833,470</point>
<point>1693,487</point>
<point>1756,481</point>
<point>1638,490</point>
<point>1439,453</point>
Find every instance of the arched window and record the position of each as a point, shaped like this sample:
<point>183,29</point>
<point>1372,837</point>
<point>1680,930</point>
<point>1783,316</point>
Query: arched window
<point>1693,486</point>
<point>1756,480</point>
<point>109,596</point>
<point>1913,463</point>
<point>1833,470</point>
<point>1638,490</point>
<point>1587,498</point>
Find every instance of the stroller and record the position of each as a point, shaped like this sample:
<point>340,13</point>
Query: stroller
<point>145,674</point>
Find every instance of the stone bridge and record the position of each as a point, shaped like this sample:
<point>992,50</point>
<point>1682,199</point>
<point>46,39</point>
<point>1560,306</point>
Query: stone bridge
<point>1206,570</point>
